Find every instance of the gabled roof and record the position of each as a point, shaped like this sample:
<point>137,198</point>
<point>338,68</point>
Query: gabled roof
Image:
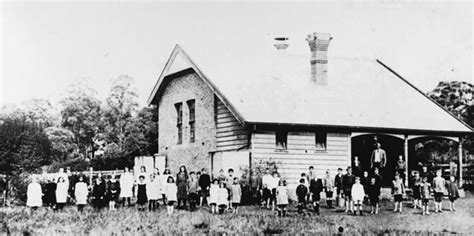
<point>274,87</point>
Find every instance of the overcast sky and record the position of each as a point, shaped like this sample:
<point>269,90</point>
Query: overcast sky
<point>46,46</point>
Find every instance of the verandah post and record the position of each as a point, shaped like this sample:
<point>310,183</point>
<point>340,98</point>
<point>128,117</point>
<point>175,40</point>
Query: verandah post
<point>460,161</point>
<point>405,145</point>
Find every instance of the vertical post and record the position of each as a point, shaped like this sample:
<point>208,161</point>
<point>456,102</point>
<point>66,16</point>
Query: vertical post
<point>91,171</point>
<point>349,149</point>
<point>460,161</point>
<point>405,145</point>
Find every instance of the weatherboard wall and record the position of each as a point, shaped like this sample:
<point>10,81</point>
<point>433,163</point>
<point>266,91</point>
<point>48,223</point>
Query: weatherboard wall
<point>301,153</point>
<point>230,134</point>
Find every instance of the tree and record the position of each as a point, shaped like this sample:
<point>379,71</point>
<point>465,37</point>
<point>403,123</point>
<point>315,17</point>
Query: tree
<point>456,97</point>
<point>39,111</point>
<point>24,148</point>
<point>63,146</point>
<point>81,114</point>
<point>121,106</point>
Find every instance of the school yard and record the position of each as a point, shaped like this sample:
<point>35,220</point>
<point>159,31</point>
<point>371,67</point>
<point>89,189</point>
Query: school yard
<point>250,220</point>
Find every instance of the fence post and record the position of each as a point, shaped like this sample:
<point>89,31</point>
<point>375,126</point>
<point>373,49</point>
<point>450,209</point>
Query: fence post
<point>91,171</point>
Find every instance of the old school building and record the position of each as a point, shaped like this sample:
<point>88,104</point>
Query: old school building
<point>294,110</point>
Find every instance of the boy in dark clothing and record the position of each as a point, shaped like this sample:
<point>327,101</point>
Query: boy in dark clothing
<point>347,181</point>
<point>204,185</point>
<point>373,190</point>
<point>338,184</point>
<point>255,186</point>
<point>316,187</point>
<point>301,192</point>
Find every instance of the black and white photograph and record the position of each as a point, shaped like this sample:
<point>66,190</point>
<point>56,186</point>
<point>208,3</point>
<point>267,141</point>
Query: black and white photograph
<point>236,117</point>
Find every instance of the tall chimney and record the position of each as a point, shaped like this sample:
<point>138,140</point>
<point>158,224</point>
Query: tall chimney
<point>318,44</point>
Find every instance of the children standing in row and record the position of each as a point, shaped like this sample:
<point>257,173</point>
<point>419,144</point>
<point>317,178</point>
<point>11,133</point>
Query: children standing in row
<point>236,195</point>
<point>452,192</point>
<point>282,198</point>
<point>425,192</point>
<point>222,197</point>
<point>214,195</point>
<point>141,193</point>
<point>397,190</point>
<point>301,192</point>
<point>358,194</point>
<point>171,191</point>
<point>439,187</point>
<point>374,193</point>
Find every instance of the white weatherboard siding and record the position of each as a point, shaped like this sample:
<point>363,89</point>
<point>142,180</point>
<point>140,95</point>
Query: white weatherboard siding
<point>301,153</point>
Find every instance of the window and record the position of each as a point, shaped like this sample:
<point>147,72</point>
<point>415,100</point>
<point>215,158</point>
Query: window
<point>179,120</point>
<point>192,116</point>
<point>281,138</point>
<point>321,138</point>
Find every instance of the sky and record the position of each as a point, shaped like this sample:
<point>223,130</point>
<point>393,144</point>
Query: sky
<point>45,47</point>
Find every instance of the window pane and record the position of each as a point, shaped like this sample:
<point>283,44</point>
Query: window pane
<point>321,138</point>
<point>281,138</point>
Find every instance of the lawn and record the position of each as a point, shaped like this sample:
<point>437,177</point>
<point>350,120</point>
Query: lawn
<point>250,220</point>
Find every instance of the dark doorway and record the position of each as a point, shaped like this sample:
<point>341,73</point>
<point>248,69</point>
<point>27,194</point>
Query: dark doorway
<point>363,145</point>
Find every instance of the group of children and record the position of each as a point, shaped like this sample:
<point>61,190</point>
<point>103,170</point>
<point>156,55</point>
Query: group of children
<point>225,191</point>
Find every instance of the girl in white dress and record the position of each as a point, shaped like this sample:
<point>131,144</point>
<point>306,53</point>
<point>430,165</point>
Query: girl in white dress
<point>34,194</point>
<point>282,198</point>
<point>61,193</point>
<point>164,180</point>
<point>171,191</point>
<point>214,195</point>
<point>153,193</point>
<point>80,193</point>
<point>358,194</point>
<point>126,186</point>
<point>223,198</point>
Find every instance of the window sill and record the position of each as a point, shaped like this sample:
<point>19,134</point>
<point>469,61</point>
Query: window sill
<point>281,150</point>
<point>321,151</point>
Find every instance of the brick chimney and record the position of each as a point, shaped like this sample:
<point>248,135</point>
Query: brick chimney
<point>318,44</point>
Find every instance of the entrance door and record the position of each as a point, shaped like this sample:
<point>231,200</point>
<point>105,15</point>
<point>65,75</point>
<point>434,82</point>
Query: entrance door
<point>363,145</point>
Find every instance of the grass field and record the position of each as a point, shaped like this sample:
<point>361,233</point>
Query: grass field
<point>250,220</point>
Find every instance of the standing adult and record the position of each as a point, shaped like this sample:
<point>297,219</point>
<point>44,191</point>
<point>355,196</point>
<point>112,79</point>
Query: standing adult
<point>182,183</point>
<point>34,194</point>
<point>126,186</point>
<point>80,193</point>
<point>62,189</point>
<point>204,185</point>
<point>401,166</point>
<point>378,158</point>
<point>98,193</point>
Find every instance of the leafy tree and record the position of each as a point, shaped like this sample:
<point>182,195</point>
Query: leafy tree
<point>62,142</point>
<point>456,97</point>
<point>81,114</point>
<point>121,106</point>
<point>24,148</point>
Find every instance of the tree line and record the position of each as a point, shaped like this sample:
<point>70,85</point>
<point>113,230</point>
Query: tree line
<point>79,131</point>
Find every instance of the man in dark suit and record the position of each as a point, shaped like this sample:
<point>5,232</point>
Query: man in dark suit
<point>378,158</point>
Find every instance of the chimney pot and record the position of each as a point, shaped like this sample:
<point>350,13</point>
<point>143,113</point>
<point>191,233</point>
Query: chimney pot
<point>281,43</point>
<point>318,45</point>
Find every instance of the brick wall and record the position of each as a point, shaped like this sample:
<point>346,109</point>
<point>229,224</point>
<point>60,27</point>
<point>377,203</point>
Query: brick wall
<point>193,155</point>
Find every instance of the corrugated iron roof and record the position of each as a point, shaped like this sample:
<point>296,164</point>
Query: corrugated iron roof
<point>270,86</point>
